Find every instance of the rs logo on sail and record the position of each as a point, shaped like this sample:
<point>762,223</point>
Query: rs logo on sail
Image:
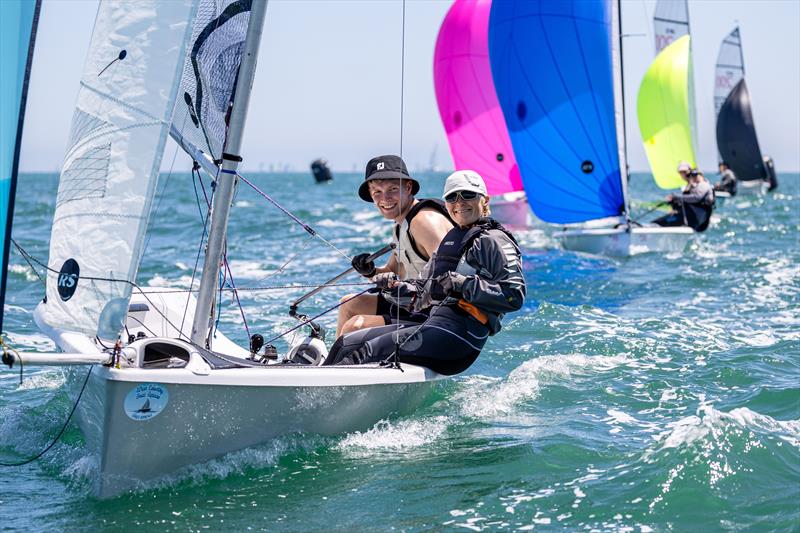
<point>68,279</point>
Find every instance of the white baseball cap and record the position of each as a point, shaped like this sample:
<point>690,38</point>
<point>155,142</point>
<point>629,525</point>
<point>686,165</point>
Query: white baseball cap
<point>684,166</point>
<point>464,180</point>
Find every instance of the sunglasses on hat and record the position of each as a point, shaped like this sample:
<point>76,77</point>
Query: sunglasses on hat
<point>465,195</point>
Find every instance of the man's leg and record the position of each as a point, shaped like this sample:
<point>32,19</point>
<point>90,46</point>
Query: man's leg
<point>366,304</point>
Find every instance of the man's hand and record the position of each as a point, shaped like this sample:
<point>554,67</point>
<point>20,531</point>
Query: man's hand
<point>363,266</point>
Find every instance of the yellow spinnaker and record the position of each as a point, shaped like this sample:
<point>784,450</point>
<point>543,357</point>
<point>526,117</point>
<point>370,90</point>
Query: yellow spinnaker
<point>663,111</point>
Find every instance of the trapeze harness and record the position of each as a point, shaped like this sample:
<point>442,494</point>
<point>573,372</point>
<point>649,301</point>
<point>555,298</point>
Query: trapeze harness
<point>449,341</point>
<point>407,253</point>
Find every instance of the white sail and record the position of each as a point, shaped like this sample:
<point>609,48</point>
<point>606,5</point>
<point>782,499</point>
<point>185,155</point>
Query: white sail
<point>213,57</point>
<point>670,22</point>
<point>729,69</point>
<point>108,179</point>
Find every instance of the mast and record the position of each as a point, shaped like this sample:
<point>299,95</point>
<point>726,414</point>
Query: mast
<point>226,180</point>
<point>619,100</point>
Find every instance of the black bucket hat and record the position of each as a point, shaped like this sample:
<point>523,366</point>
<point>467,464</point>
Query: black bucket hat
<point>385,167</point>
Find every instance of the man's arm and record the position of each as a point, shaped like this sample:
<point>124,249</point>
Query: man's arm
<point>428,229</point>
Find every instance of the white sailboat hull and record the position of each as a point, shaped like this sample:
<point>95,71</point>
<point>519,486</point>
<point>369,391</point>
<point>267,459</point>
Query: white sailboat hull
<point>623,242</point>
<point>512,210</point>
<point>751,187</point>
<point>720,197</point>
<point>144,420</point>
<point>208,416</point>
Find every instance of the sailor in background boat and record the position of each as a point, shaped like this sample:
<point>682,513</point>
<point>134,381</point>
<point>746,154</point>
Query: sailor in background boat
<point>728,182</point>
<point>419,227</point>
<point>694,205</point>
<point>473,278</point>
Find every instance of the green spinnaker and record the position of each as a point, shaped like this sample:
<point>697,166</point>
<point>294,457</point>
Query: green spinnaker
<point>663,109</point>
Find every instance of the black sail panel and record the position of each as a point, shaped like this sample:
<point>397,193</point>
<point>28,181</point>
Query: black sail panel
<point>736,135</point>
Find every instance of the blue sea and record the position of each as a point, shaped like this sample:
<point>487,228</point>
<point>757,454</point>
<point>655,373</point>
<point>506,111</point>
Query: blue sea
<point>655,393</point>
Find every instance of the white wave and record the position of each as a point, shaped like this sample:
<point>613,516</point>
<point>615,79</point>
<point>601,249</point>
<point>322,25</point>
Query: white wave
<point>242,269</point>
<point>485,397</point>
<point>47,379</point>
<point>27,271</point>
<point>33,342</point>
<point>711,423</point>
<point>325,260</point>
<point>398,435</point>
<point>243,203</point>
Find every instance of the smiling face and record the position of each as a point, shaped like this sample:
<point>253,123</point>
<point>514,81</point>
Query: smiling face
<point>391,197</point>
<point>467,212</point>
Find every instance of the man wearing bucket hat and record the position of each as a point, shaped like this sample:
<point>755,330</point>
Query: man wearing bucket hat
<point>419,226</point>
<point>471,281</point>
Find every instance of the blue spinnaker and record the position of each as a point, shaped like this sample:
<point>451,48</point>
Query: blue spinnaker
<point>552,68</point>
<point>18,20</point>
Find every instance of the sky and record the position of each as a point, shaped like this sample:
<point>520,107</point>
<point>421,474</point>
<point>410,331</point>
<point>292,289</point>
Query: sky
<point>328,82</point>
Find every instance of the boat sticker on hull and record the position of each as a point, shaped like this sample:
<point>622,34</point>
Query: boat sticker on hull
<point>146,401</point>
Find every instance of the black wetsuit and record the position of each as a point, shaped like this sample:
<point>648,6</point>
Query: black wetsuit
<point>450,340</point>
<point>691,208</point>
<point>727,183</point>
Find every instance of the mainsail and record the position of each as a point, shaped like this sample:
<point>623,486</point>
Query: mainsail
<point>664,111</point>
<point>18,21</point>
<point>208,82</point>
<point>736,135</point>
<point>470,112</point>
<point>108,179</point>
<point>729,69</point>
<point>552,66</point>
<point>670,22</point>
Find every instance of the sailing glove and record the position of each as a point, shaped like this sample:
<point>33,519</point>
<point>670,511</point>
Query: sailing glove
<point>384,280</point>
<point>450,283</point>
<point>363,265</point>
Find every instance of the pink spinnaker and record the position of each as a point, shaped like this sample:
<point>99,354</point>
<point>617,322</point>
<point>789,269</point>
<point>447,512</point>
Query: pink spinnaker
<point>473,120</point>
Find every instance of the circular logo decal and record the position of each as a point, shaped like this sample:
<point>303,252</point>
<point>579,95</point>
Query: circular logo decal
<point>68,279</point>
<point>499,157</point>
<point>587,166</point>
<point>146,401</point>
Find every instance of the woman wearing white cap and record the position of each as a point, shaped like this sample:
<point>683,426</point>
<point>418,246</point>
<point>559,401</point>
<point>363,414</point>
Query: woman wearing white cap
<point>470,282</point>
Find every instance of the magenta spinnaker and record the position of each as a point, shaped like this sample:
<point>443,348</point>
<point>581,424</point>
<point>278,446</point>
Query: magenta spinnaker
<point>473,120</point>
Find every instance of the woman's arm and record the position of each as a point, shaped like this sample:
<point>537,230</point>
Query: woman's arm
<point>499,286</point>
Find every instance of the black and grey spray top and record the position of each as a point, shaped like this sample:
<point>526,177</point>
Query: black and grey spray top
<point>489,257</point>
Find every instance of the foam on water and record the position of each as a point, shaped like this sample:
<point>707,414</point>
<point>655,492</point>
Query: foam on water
<point>395,435</point>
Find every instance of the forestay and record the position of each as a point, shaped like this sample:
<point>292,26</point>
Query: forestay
<point>18,21</point>
<point>552,68</point>
<point>108,179</point>
<point>664,112</point>
<point>471,114</point>
<point>670,22</point>
<point>209,76</point>
<point>729,68</point>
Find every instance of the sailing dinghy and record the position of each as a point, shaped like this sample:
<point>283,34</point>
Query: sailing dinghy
<point>558,73</point>
<point>736,134</point>
<point>470,112</point>
<point>165,389</point>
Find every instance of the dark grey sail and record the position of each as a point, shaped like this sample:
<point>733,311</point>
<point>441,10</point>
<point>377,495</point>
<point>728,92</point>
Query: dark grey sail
<point>321,171</point>
<point>736,136</point>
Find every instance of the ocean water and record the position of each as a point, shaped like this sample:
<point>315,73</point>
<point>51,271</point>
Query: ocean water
<point>654,393</point>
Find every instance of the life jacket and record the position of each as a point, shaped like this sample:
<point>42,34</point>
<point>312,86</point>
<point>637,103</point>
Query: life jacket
<point>407,252</point>
<point>456,243</point>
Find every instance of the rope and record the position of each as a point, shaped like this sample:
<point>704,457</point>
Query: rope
<point>63,428</point>
<point>286,212</point>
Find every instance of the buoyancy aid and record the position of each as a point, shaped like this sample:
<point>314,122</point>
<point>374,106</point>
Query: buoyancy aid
<point>407,252</point>
<point>450,255</point>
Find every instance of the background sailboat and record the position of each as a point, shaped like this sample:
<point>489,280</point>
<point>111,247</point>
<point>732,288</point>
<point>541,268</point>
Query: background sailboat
<point>737,142</point>
<point>470,112</point>
<point>557,70</point>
